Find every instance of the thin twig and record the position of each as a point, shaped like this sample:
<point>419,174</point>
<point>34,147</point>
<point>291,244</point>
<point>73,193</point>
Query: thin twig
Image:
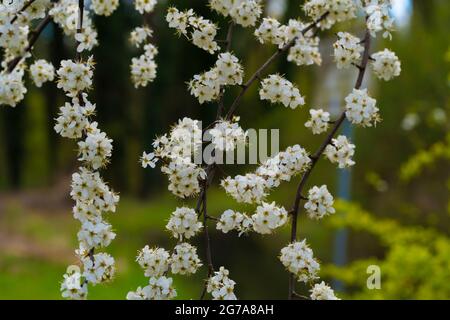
<point>25,7</point>
<point>33,38</point>
<point>316,156</point>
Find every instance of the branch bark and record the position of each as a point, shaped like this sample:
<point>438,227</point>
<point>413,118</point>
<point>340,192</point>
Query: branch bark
<point>316,156</point>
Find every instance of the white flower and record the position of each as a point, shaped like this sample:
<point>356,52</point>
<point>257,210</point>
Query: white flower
<point>378,17</point>
<point>73,287</point>
<point>248,189</point>
<point>339,10</point>
<point>100,268</point>
<point>184,177</point>
<point>42,71</point>
<point>184,259</point>
<point>321,291</point>
<point>277,89</point>
<point>268,217</point>
<point>95,234</point>
<point>347,50</point>
<point>320,202</point>
<point>319,121</point>
<point>283,166</point>
<point>160,289</point>
<point>271,31</point>
<point>340,151</point>
<point>148,159</point>
<point>221,286</point>
<point>298,259</point>
<point>361,109</point>
<point>143,70</point>
<point>246,13</point>
<point>386,65</point>
<point>139,35</point>
<point>203,31</point>
<point>227,135</point>
<point>146,6</point>
<point>89,189</point>
<point>184,223</point>
<point>14,38</point>
<point>74,76</point>
<point>95,149</point>
<point>139,294</point>
<point>305,51</point>
<point>155,262</point>
<point>87,39</point>
<point>12,88</point>
<point>227,71</point>
<point>233,220</point>
<point>73,120</point>
<point>104,7</point>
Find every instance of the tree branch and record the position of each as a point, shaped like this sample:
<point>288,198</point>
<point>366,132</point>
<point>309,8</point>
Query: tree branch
<point>34,36</point>
<point>316,156</point>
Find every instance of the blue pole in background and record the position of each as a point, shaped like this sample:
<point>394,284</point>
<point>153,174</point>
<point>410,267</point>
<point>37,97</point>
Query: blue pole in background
<point>343,192</point>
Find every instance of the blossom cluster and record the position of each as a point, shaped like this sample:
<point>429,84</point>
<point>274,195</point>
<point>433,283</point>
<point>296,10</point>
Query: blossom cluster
<point>268,217</point>
<point>379,18</point>
<point>361,109</point>
<point>320,202</point>
<point>304,50</point>
<point>197,29</point>
<point>253,187</point>
<point>243,12</point>
<point>226,135</point>
<point>176,152</point>
<point>234,220</point>
<point>143,68</point>
<point>321,291</point>
<point>221,286</point>
<point>227,71</point>
<point>298,259</point>
<point>340,151</point>
<point>42,71</point>
<point>104,7</point>
<point>91,194</point>
<point>277,89</point>
<point>319,121</point>
<point>338,11</point>
<point>183,223</point>
<point>386,65</point>
<point>347,50</point>
<point>65,14</point>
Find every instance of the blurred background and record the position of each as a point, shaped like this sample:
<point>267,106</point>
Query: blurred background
<point>393,209</point>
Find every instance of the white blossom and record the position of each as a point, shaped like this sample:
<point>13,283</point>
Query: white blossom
<point>234,220</point>
<point>184,223</point>
<point>248,189</point>
<point>42,71</point>
<point>227,135</point>
<point>268,217</point>
<point>321,291</point>
<point>104,7</point>
<point>277,89</point>
<point>73,287</point>
<point>12,88</point>
<point>139,35</point>
<point>99,268</point>
<point>347,50</point>
<point>361,109</point>
<point>184,259</point>
<point>339,10</point>
<point>319,121</point>
<point>298,259</point>
<point>75,76</point>
<point>221,286</point>
<point>340,151</point>
<point>386,65</point>
<point>146,6</point>
<point>320,202</point>
<point>155,261</point>
<point>95,149</point>
<point>159,288</point>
